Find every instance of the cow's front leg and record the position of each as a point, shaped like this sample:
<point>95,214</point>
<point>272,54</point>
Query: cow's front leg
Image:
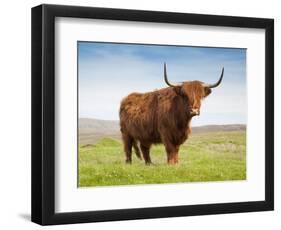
<point>172,153</point>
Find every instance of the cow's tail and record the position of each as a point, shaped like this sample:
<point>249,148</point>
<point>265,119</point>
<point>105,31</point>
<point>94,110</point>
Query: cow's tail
<point>136,148</point>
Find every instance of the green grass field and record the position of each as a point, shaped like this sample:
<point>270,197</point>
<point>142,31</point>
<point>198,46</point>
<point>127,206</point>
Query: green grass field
<point>211,156</point>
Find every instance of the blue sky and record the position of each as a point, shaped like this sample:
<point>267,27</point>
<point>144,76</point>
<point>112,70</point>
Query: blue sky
<point>107,72</point>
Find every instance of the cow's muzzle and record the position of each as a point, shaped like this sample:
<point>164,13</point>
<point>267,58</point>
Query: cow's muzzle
<point>195,112</point>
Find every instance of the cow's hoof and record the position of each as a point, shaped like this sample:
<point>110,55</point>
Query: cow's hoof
<point>128,162</point>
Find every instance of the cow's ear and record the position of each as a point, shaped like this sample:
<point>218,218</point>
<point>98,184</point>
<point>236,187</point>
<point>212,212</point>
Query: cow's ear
<point>207,91</point>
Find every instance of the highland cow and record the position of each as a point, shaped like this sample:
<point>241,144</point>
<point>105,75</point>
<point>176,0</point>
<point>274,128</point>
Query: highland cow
<point>161,116</point>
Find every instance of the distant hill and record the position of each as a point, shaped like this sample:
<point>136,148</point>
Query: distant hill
<point>99,125</point>
<point>92,130</point>
<point>218,128</point>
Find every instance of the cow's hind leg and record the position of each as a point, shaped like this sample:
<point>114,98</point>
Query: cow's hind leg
<point>145,152</point>
<point>136,148</point>
<point>128,142</point>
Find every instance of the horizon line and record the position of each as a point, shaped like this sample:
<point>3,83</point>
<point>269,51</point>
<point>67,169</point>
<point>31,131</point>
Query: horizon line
<point>192,125</point>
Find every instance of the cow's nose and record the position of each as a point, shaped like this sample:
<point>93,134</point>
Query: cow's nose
<point>195,112</point>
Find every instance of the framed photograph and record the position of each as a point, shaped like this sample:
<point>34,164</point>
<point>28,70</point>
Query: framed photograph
<point>142,114</point>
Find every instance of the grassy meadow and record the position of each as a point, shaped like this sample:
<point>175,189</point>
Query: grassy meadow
<point>213,156</point>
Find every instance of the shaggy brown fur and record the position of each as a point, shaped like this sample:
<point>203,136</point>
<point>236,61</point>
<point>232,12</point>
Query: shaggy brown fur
<point>161,116</point>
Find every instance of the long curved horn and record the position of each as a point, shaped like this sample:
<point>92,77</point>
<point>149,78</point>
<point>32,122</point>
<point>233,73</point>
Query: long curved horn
<point>166,77</point>
<point>217,83</point>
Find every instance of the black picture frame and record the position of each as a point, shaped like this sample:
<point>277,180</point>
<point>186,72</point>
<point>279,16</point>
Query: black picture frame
<point>43,114</point>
